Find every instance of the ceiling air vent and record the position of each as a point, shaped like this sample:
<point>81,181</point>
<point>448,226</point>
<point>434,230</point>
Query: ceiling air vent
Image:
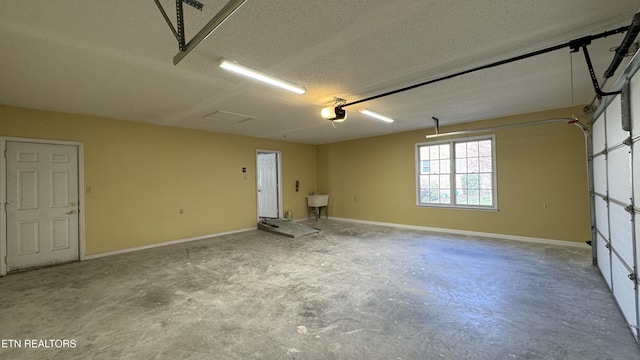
<point>228,117</point>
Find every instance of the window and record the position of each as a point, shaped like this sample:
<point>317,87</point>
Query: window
<point>457,173</point>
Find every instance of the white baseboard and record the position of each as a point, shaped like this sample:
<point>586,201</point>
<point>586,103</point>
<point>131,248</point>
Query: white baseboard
<point>402,226</point>
<point>471,233</point>
<point>166,243</point>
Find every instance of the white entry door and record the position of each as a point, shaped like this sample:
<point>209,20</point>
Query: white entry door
<point>268,185</point>
<point>42,204</point>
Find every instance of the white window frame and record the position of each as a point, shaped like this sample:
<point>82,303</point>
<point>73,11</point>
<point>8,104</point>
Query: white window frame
<point>452,173</point>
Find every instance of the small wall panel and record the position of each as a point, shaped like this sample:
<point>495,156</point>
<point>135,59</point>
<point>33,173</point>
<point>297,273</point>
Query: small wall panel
<point>599,134</point>
<point>619,177</point>
<point>604,260</point>
<point>600,174</point>
<point>602,216</point>
<point>636,173</point>
<point>615,134</point>
<point>635,105</point>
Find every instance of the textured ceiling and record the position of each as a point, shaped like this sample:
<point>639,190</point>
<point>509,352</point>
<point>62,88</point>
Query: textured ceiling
<point>114,59</point>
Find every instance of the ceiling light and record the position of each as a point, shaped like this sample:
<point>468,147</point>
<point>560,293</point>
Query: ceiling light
<point>254,74</point>
<point>374,114</point>
<point>334,113</point>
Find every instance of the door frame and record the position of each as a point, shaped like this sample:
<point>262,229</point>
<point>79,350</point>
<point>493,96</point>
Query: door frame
<point>3,194</point>
<point>279,169</point>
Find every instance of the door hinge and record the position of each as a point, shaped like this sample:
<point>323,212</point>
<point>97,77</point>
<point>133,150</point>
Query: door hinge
<point>633,277</point>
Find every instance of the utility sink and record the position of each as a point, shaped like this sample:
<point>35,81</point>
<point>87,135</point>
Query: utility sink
<point>317,200</point>
<point>315,203</point>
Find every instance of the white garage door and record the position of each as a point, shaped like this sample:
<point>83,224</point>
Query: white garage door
<point>614,177</point>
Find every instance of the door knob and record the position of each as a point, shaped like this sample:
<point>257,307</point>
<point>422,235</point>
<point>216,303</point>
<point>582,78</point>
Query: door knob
<point>71,212</point>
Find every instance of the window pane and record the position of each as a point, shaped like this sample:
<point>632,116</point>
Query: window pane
<point>485,164</point>
<point>445,182</point>
<point>474,197</point>
<point>472,149</point>
<point>425,167</point>
<point>444,151</point>
<point>424,152</point>
<point>472,165</point>
<point>445,197</point>
<point>434,182</point>
<point>486,198</point>
<point>445,167</point>
<point>461,150</point>
<point>424,182</point>
<point>434,195</point>
<point>484,148</point>
<point>473,181</point>
<point>461,165</point>
<point>434,152</point>
<point>485,182</point>
<point>461,197</point>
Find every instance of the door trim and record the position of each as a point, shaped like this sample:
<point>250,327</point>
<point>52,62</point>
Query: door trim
<point>3,194</point>
<point>279,167</point>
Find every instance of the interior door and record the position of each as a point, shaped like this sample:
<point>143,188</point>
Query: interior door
<point>268,185</point>
<point>42,204</point>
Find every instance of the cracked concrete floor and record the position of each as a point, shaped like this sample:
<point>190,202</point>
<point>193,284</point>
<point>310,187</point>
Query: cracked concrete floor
<point>352,291</point>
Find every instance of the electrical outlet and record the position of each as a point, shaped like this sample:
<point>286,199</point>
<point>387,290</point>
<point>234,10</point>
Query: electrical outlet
<point>545,206</point>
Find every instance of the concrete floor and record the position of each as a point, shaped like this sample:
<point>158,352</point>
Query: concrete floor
<point>353,291</point>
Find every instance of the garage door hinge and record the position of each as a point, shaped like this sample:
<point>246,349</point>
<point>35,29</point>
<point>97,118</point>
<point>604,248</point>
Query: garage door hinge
<point>608,246</point>
<point>628,141</point>
<point>633,277</point>
<point>629,209</point>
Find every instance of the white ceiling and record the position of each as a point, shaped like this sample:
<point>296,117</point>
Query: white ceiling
<point>114,59</point>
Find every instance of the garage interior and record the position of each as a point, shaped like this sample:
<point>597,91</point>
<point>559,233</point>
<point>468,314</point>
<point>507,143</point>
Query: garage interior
<point>140,167</point>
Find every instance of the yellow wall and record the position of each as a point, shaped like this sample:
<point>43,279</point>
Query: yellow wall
<point>374,179</point>
<point>141,175</point>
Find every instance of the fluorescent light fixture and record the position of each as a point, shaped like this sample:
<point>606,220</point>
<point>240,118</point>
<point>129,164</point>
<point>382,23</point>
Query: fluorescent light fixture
<point>374,114</point>
<point>254,74</point>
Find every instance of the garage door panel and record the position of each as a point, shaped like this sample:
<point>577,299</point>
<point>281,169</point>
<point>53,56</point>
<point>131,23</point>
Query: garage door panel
<point>604,262</point>
<point>621,232</point>
<point>613,123</point>
<point>598,134</point>
<point>624,291</point>
<point>636,171</point>
<point>600,174</point>
<point>619,178</point>
<point>602,216</point>
<point>635,105</point>
<point>637,233</point>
